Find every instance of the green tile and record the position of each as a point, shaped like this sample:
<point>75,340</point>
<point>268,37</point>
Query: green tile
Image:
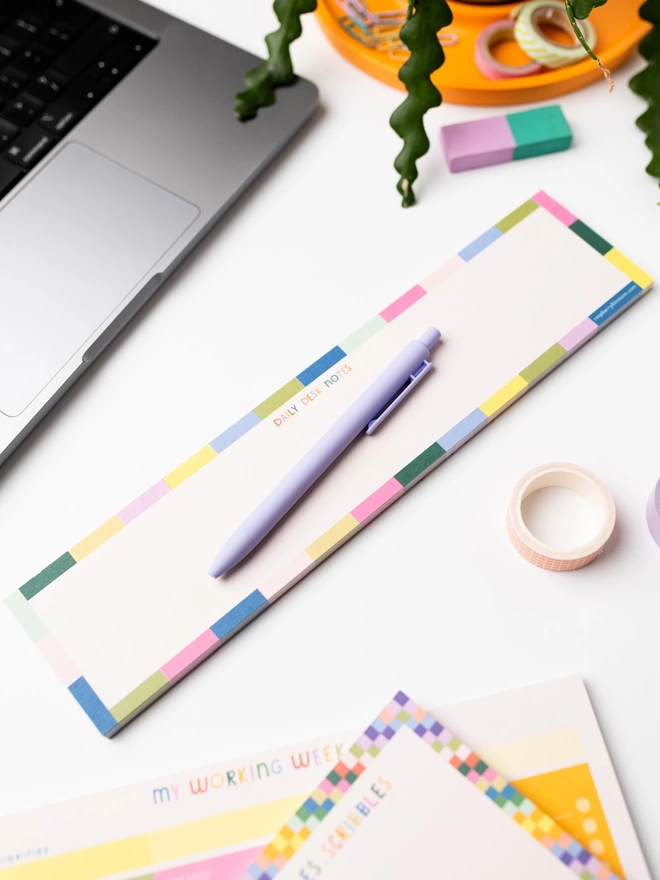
<point>365,332</point>
<point>420,464</point>
<point>543,363</point>
<point>26,616</point>
<point>587,234</point>
<point>333,777</point>
<point>454,744</point>
<point>481,767</point>
<point>500,800</point>
<point>139,696</point>
<point>517,798</point>
<point>320,813</point>
<point>351,777</point>
<point>464,769</point>
<point>437,746</point>
<point>403,716</point>
<point>48,575</point>
<point>539,131</point>
<point>303,814</point>
<point>516,216</point>
<point>275,401</point>
<point>374,751</point>
<point>356,751</point>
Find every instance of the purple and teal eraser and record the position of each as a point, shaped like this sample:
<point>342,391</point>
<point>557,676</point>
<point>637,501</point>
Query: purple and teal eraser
<point>505,138</point>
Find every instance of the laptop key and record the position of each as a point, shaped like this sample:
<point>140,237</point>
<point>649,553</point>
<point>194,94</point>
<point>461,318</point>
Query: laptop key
<point>33,59</point>
<point>88,47</point>
<point>11,83</point>
<point>31,146</point>
<point>59,118</point>
<point>8,48</point>
<point>9,176</point>
<point>23,110</point>
<point>49,86</point>
<point>84,94</point>
<point>8,132</point>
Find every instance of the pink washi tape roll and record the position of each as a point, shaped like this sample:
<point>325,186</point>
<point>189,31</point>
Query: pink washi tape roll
<point>491,68</point>
<point>564,476</point>
<point>653,514</point>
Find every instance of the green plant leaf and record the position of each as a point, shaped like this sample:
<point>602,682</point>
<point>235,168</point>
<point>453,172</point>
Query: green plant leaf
<point>646,84</point>
<point>580,9</point>
<point>583,8</point>
<point>420,35</point>
<point>277,69</point>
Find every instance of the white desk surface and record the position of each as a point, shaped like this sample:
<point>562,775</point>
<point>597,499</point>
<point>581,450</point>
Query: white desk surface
<point>320,245</point>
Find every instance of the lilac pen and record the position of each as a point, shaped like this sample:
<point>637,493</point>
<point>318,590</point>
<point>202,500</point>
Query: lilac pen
<point>369,411</point>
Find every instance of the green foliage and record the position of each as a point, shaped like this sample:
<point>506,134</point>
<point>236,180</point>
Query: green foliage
<point>420,35</point>
<point>277,70</point>
<point>646,84</point>
<point>582,8</point>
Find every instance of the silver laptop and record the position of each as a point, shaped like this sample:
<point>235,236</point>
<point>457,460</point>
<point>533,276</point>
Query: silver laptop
<point>119,150</point>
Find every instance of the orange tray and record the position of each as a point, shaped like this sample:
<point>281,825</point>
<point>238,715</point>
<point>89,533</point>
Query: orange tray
<point>617,24</point>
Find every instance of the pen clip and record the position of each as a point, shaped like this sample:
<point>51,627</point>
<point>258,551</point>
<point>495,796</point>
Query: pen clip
<point>413,382</point>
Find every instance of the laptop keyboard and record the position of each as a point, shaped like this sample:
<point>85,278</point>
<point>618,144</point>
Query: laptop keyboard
<point>58,59</point>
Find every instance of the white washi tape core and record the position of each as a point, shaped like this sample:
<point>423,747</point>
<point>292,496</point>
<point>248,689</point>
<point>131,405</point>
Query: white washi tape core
<point>563,476</point>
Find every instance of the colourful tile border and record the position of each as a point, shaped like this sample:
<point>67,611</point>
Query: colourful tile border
<point>403,713</point>
<point>408,475</point>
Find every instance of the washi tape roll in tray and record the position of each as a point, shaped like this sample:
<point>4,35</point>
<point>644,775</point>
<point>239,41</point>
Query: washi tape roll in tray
<point>541,48</point>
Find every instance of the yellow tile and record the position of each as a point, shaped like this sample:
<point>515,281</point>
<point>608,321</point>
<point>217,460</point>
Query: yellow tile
<point>224,829</point>
<point>98,537</point>
<point>132,854</point>
<point>194,463</point>
<point>639,276</point>
<point>499,783</point>
<point>332,537</point>
<point>528,825</point>
<point>502,397</point>
<point>545,824</point>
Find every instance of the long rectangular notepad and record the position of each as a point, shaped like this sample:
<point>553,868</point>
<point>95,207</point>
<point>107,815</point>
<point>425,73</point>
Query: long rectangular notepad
<point>410,799</point>
<point>210,823</point>
<point>130,609</point>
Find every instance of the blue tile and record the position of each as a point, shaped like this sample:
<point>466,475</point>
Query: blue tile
<point>620,301</point>
<point>242,426</point>
<point>238,615</point>
<point>319,367</point>
<point>480,244</point>
<point>92,705</point>
<point>462,430</point>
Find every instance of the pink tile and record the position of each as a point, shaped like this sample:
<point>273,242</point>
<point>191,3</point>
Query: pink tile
<point>473,776</point>
<point>578,335</point>
<point>445,271</point>
<point>151,496</point>
<point>186,659</point>
<point>343,785</point>
<point>402,303</point>
<point>557,210</point>
<point>62,665</point>
<point>219,868</point>
<point>489,774</point>
<point>377,500</point>
<point>326,786</point>
<point>286,577</point>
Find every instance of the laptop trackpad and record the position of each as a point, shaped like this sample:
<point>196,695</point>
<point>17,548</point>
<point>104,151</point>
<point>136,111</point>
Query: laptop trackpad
<point>74,243</point>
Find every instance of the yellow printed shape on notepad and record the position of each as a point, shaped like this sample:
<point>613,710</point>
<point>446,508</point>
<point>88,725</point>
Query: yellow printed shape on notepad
<point>632,270</point>
<point>570,797</point>
<point>503,397</point>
